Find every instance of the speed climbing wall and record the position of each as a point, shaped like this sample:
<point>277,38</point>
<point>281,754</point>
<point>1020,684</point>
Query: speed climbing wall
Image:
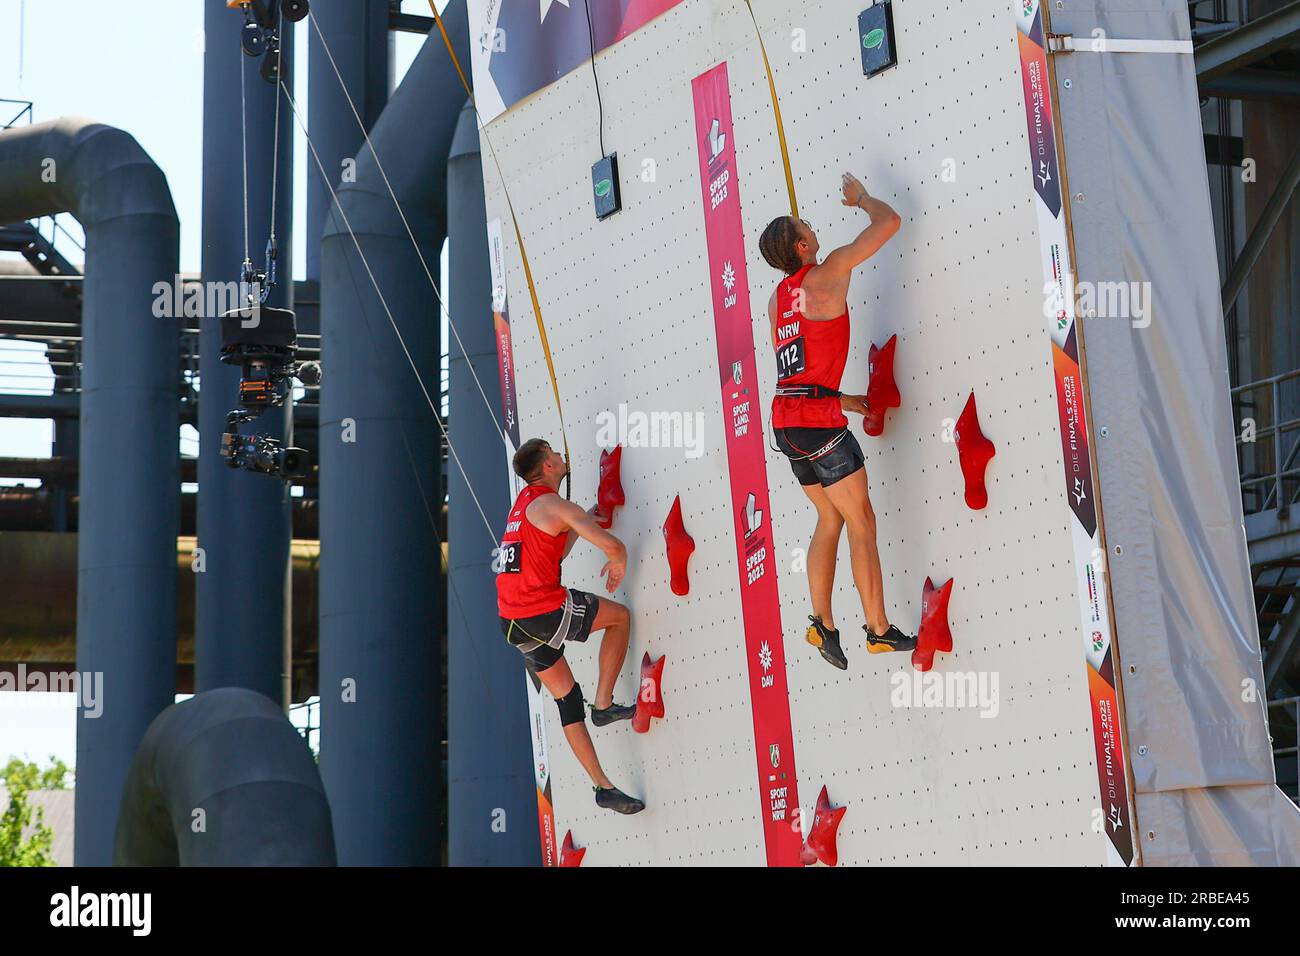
<point>1010,749</point>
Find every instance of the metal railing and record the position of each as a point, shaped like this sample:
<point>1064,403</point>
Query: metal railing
<point>309,713</point>
<point>1267,460</point>
<point>1294,703</point>
<point>26,110</point>
<point>1280,752</point>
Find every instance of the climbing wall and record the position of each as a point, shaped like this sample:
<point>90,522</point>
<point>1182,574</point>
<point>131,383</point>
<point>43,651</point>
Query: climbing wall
<point>629,313</point>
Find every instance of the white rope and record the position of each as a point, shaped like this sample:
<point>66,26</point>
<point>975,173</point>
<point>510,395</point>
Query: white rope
<point>384,175</point>
<point>243,131</point>
<point>391,321</point>
<point>275,148</point>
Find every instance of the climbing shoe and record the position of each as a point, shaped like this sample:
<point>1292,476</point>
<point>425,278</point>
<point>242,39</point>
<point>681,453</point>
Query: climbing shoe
<point>892,640</point>
<point>828,642</point>
<point>618,801</point>
<point>612,713</point>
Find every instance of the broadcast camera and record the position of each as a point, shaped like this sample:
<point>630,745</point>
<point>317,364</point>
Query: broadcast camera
<point>263,341</point>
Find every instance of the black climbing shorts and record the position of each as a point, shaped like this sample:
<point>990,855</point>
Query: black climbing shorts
<point>820,456</point>
<point>541,639</point>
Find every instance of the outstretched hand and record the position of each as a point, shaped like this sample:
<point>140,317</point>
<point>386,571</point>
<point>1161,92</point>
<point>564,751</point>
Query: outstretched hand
<point>854,403</point>
<point>613,572</point>
<point>854,191</point>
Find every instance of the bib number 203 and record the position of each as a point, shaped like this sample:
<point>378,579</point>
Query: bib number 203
<point>509,558</point>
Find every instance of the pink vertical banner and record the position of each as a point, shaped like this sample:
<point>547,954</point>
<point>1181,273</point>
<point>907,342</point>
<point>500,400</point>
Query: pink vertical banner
<point>746,465</point>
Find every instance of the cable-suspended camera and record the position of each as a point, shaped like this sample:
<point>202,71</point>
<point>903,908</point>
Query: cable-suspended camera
<point>261,339</point>
<point>261,33</point>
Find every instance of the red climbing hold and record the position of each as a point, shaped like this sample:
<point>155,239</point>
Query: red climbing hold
<point>610,494</point>
<point>882,391</point>
<point>975,451</point>
<point>821,838</point>
<point>934,634</point>
<point>570,855</point>
<point>650,700</point>
<point>680,547</point>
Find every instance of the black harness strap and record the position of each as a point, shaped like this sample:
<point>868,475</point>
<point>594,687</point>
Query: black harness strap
<point>806,391</point>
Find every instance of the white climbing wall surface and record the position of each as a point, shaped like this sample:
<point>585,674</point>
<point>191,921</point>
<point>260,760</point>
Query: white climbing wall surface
<point>1005,772</point>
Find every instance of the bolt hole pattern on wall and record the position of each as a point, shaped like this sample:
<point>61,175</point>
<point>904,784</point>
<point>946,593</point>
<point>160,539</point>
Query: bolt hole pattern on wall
<point>629,318</point>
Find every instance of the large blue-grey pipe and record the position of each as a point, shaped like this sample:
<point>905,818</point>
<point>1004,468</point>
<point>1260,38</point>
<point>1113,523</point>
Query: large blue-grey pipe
<point>223,779</point>
<point>361,45</point>
<point>130,478</point>
<point>241,597</point>
<point>489,760</point>
<point>381,620</point>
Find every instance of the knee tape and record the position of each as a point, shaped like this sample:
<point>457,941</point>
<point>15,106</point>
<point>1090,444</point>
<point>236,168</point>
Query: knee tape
<point>571,707</point>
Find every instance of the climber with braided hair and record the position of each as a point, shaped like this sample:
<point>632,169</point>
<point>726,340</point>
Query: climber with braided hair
<point>809,315</point>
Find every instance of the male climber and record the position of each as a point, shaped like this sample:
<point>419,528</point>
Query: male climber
<point>538,614</point>
<point>809,314</point>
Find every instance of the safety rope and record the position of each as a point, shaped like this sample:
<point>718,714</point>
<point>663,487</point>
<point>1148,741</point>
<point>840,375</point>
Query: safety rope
<point>776,110</point>
<point>523,254</point>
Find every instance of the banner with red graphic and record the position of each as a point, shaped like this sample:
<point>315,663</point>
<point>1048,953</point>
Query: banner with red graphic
<point>520,46</point>
<point>746,465</point>
<point>1090,562</point>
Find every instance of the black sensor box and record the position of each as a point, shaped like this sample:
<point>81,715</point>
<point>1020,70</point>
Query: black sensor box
<point>876,37</point>
<point>604,186</point>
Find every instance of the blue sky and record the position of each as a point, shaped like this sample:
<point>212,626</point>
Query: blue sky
<point>108,62</point>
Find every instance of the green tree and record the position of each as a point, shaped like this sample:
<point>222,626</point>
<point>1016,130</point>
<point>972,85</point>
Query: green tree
<point>20,778</point>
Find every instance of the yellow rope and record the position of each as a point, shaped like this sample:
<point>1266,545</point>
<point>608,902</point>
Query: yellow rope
<point>523,255</point>
<point>776,109</point>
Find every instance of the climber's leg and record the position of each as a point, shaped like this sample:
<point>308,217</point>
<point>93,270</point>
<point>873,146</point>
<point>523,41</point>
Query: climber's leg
<point>850,498</point>
<point>822,553</point>
<point>615,620</point>
<point>558,680</point>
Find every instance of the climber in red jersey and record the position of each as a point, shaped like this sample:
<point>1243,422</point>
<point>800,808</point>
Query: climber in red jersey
<point>809,315</point>
<point>538,614</point>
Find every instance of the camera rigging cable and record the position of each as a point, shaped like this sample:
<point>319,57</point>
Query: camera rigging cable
<point>453,591</point>
<point>406,225</point>
<point>451,448</point>
<point>271,249</point>
<point>243,134</point>
<point>406,444</point>
<point>519,238</point>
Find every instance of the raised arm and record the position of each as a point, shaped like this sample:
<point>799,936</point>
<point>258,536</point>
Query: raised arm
<point>839,265</point>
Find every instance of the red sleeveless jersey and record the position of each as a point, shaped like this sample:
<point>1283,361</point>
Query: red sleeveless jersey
<point>807,353</point>
<point>528,582</point>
